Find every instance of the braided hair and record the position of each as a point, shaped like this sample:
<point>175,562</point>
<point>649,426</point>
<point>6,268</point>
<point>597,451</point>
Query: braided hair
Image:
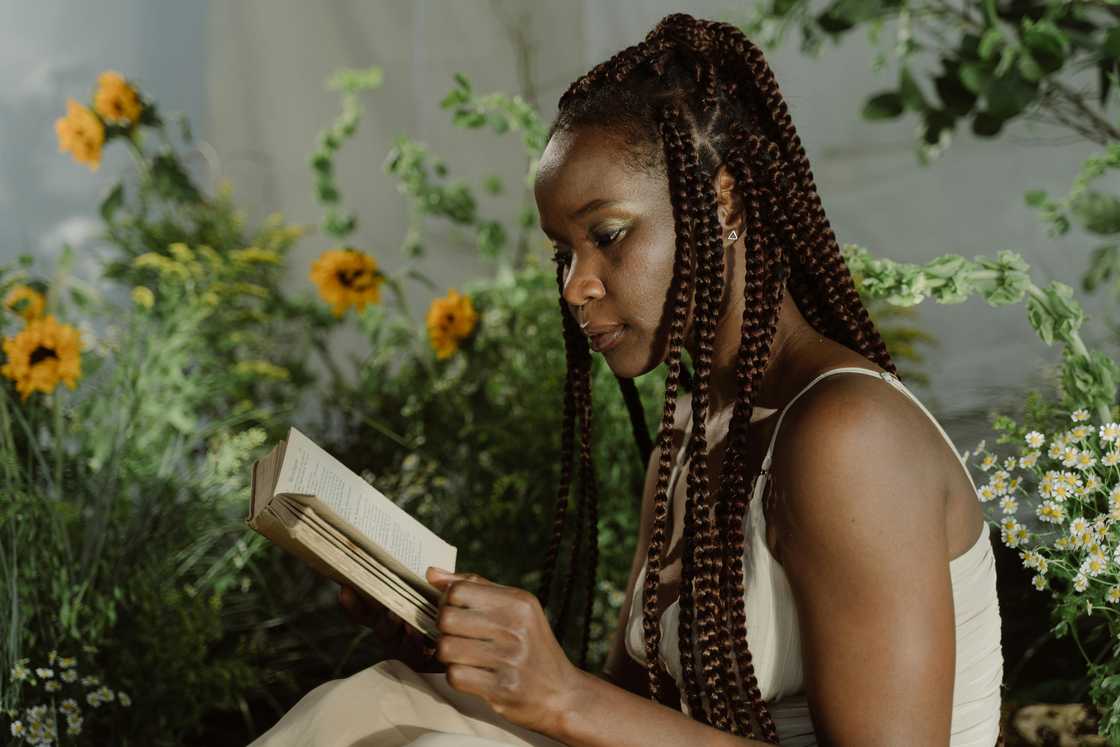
<point>692,96</point>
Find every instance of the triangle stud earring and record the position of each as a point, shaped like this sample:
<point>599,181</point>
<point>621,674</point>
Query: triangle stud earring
<point>732,236</point>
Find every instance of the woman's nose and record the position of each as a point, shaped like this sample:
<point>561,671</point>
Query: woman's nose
<point>582,283</point>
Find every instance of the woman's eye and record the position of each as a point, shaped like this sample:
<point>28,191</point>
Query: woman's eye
<point>606,239</point>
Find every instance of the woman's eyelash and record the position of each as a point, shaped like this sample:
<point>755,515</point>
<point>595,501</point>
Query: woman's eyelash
<point>610,237</point>
<point>602,240</point>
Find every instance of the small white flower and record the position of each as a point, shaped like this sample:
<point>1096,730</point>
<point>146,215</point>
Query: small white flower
<point>986,493</point>
<point>1078,526</point>
<point>1085,460</point>
<point>1010,462</point>
<point>1055,450</point>
<point>1050,511</point>
<point>1079,415</point>
<point>1013,484</point>
<point>1043,565</point>
<point>1062,543</point>
<point>1030,558</point>
<point>1035,439</point>
<point>1092,483</point>
<point>1029,459</point>
<point>1113,595</point>
<point>52,686</point>
<point>1069,456</point>
<point>1039,582</point>
<point>52,656</point>
<point>1094,565</point>
<point>1047,483</point>
<point>1008,523</point>
<point>44,673</point>
<point>67,662</point>
<point>1114,502</point>
<point>90,681</point>
<point>1008,504</point>
<point>1110,432</point>
<point>123,699</point>
<point>987,462</point>
<point>69,675</point>
<point>1111,458</point>
<point>1081,432</point>
<point>74,725</point>
<point>69,706</point>
<point>106,694</point>
<point>94,698</point>
<point>20,671</point>
<point>18,729</point>
<point>1080,582</point>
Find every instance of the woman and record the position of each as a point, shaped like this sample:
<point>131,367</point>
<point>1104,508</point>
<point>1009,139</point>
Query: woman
<point>833,585</point>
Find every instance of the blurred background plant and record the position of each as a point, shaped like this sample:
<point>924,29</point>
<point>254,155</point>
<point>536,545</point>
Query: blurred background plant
<point>124,540</point>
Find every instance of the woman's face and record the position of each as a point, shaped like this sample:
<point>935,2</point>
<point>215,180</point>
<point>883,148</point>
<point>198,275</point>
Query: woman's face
<point>615,226</point>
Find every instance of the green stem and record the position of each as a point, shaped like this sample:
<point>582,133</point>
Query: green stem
<point>56,411</point>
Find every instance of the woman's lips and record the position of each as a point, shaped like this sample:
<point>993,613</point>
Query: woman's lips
<point>607,339</point>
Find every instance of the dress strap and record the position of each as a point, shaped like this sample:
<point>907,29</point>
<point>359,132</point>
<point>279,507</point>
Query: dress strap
<point>886,376</point>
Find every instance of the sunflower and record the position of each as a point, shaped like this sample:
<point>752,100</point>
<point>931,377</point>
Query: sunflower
<point>116,100</point>
<point>451,320</point>
<point>347,277</point>
<point>81,133</point>
<point>25,301</point>
<point>42,355</point>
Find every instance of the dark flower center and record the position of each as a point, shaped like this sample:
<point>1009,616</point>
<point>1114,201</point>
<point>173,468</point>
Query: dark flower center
<point>353,279</point>
<point>41,354</point>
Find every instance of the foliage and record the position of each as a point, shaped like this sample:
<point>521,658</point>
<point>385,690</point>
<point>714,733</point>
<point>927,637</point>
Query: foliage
<point>998,61</point>
<point>1075,486</point>
<point>121,524</point>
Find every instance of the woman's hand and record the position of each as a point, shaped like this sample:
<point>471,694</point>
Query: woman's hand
<point>399,638</point>
<point>497,644</point>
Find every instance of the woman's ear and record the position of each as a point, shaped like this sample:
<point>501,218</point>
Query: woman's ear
<point>729,203</point>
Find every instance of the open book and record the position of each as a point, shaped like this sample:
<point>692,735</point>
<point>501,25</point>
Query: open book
<point>309,503</point>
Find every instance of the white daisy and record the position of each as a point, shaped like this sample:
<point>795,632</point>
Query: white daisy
<point>20,671</point>
<point>1085,459</point>
<point>1111,458</point>
<point>1035,439</point>
<point>1094,565</point>
<point>1029,459</point>
<point>123,699</point>
<point>1081,432</point>
<point>44,673</point>
<point>987,462</point>
<point>1079,415</point>
<point>1069,456</point>
<point>986,493</point>
<point>1039,582</point>
<point>1080,582</point>
<point>52,686</point>
<point>1113,595</point>
<point>69,706</point>
<point>1110,432</point>
<point>69,675</point>
<point>67,662</point>
<point>1051,512</point>
<point>1008,504</point>
<point>18,729</point>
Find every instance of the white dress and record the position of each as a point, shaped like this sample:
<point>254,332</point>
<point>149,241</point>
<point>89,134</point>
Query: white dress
<point>774,635</point>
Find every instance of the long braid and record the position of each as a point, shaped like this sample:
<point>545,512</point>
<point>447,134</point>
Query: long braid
<point>572,341</point>
<point>583,490</point>
<point>590,491</point>
<point>637,415</point>
<point>706,94</point>
<point>677,168</point>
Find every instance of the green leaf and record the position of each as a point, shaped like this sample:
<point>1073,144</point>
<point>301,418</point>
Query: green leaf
<point>112,202</point>
<point>1098,212</point>
<point>956,97</point>
<point>910,92</point>
<point>975,77</point>
<point>1009,95</point>
<point>985,124</point>
<point>1110,45</point>
<point>991,43</point>
<point>887,105</point>
<point>1104,264</point>
<point>1047,44</point>
<point>1035,197</point>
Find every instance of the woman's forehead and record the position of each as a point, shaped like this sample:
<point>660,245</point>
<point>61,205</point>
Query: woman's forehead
<point>577,166</point>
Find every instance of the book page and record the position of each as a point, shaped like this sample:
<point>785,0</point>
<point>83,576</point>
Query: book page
<point>308,470</point>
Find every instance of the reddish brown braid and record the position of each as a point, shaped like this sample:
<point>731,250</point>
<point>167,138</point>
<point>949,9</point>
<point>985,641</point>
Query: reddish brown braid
<point>706,93</point>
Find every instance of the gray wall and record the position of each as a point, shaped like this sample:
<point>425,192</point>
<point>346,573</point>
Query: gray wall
<point>250,76</point>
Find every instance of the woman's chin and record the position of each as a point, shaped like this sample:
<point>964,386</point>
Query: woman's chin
<point>625,366</point>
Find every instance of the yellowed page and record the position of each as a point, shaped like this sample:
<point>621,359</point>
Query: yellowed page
<point>313,477</point>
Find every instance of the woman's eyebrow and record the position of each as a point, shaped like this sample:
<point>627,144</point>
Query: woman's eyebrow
<point>597,204</point>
